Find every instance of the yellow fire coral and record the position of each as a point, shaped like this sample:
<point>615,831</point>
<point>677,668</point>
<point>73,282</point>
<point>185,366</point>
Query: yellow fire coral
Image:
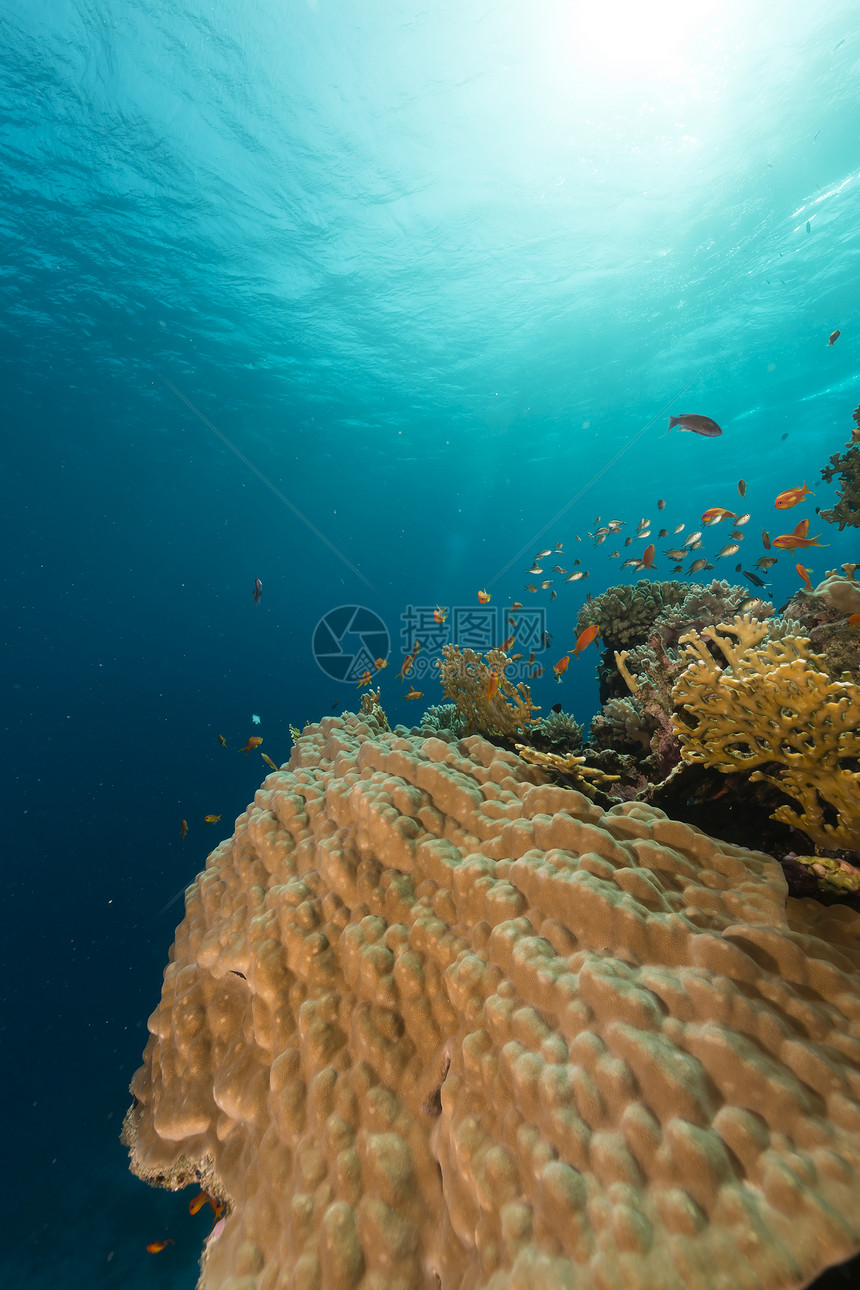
<point>429,1022</point>
<point>774,705</point>
<point>465,678</point>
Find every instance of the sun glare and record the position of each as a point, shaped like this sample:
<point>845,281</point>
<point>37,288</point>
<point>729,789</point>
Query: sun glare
<point>642,39</point>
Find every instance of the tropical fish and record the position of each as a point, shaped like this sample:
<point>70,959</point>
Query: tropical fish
<point>253,742</point>
<point>267,759</point>
<point>542,555</point>
<point>717,513</point>
<point>698,424</point>
<point>516,658</point>
<point>585,638</point>
<point>731,549</point>
<point>531,587</point>
<point>633,563</point>
<point>765,539</point>
<point>628,540</point>
<point>539,671</point>
<point>754,579</point>
<point>660,503</point>
<point>492,685</point>
<point>405,666</point>
<point>574,577</point>
<point>801,529</point>
<point>698,565</point>
<point>765,562</point>
<point>506,644</point>
<point>742,487</point>
<point>535,570</point>
<point>740,520</point>
<point>366,678</point>
<point>517,604</point>
<point>853,620</point>
<point>546,639</point>
<point>804,574</point>
<point>791,541</point>
<point>380,663</point>
<point>484,597</point>
<point>643,524</point>
<point>559,546</point>
<point>197,1203</point>
<point>183,829</point>
<point>155,1247</point>
<point>644,534</point>
<point>615,555</point>
<point>692,539</point>
<point>258,590</point>
<point>222,741</point>
<point>561,666</point>
<point>675,553</point>
<point>559,568</point>
<point>834,336</point>
<point>412,693</point>
<point>679,528</point>
<point>546,584</point>
<point>663,533</point>
<point>439,614</point>
<point>648,556</point>
<point>738,534</point>
<point>792,496</point>
<point>211,819</point>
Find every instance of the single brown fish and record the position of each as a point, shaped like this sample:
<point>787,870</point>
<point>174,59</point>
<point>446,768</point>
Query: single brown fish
<point>834,336</point>
<point>698,424</point>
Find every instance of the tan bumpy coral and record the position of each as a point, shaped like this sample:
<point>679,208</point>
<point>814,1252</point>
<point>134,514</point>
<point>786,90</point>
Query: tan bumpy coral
<point>430,1022</point>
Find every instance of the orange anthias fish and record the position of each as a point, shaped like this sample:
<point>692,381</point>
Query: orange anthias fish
<point>854,620</point>
<point>790,541</point>
<point>801,529</point>
<point>267,759</point>
<point>439,614</point>
<point>155,1247</point>
<point>197,1203</point>
<point>222,741</point>
<point>717,513</point>
<point>493,685</point>
<point>405,666</point>
<point>365,679</point>
<point>484,597</point>
<point>585,638</point>
<point>648,556</point>
<point>183,829</point>
<point>412,693</point>
<point>834,336</point>
<point>379,663</point>
<point>539,671</point>
<point>804,573</point>
<point>792,496</point>
<point>507,643</point>
<point>211,819</point>
<point>253,742</point>
<point>561,666</point>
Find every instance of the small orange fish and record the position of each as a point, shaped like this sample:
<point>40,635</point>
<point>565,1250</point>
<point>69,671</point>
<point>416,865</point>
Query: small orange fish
<point>792,496</point>
<point>517,604</point>
<point>804,574</point>
<point>415,648</point>
<point>801,529</point>
<point>765,539</point>
<point>155,1247</point>
<point>561,666</point>
<point>222,741</point>
<point>742,487</point>
<point>269,761</point>
<point>439,614</point>
<point>414,694</point>
<point>585,638</point>
<point>854,620</point>
<point>197,1203</point>
<point>493,685</point>
<point>790,542</point>
<point>483,597</point>
<point>366,678</point>
<point>405,666</point>
<point>834,336</point>
<point>379,663</point>
<point>648,556</point>
<point>211,819</point>
<point>183,829</point>
<point>253,742</point>
<point>539,671</point>
<point>531,657</point>
<point>717,513</point>
<point>507,643</point>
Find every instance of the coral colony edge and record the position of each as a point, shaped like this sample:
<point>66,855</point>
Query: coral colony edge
<point>487,1003</point>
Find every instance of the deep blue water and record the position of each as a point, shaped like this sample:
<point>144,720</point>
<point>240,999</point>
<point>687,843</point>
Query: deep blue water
<point>429,273</point>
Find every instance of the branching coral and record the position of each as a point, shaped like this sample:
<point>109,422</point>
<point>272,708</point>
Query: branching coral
<point>773,705</point>
<point>444,716</point>
<point>465,678</point>
<point>562,728</point>
<point>372,710</point>
<point>847,509</point>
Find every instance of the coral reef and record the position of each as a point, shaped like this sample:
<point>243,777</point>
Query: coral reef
<point>465,678</point>
<point>444,716</point>
<point>773,705</point>
<point>560,728</point>
<point>428,1021</point>
<point>629,614</point>
<point>846,512</point>
<point>372,710</point>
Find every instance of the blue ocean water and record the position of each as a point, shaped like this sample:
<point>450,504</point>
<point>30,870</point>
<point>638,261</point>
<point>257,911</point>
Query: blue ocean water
<point>370,302</point>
